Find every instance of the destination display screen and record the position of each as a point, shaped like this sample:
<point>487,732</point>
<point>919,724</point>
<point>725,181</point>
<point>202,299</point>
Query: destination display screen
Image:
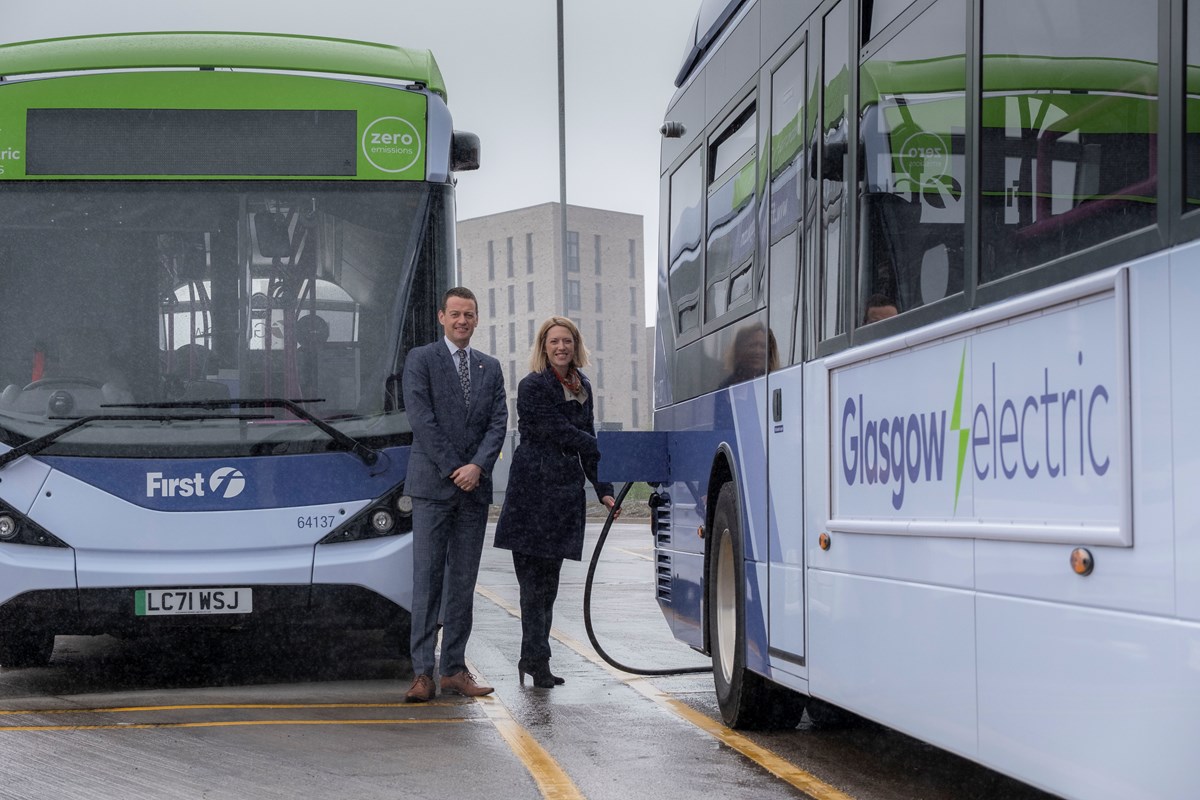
<point>134,141</point>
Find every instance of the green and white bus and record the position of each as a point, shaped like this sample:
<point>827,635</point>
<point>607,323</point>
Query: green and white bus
<point>215,251</point>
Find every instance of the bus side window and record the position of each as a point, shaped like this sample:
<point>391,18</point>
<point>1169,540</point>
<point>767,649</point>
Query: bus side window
<point>834,160</point>
<point>1191,141</point>
<point>729,244</point>
<point>912,152</point>
<point>685,265</point>
<point>1069,145</point>
<point>786,187</point>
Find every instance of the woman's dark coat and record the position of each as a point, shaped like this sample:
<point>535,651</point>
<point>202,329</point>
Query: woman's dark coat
<point>544,511</point>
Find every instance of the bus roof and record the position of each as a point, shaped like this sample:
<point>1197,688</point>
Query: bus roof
<point>711,19</point>
<point>269,51</point>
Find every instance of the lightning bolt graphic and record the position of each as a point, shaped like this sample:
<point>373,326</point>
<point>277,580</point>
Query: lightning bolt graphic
<point>956,425</point>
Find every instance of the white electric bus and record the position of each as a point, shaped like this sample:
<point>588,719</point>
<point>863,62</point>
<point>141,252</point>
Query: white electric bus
<point>215,251</point>
<point>927,278</point>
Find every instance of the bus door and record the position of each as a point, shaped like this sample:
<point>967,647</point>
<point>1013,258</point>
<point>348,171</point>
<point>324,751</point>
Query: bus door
<point>785,463</point>
<point>786,77</point>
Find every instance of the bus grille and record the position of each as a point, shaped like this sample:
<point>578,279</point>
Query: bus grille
<point>663,576</point>
<point>661,523</point>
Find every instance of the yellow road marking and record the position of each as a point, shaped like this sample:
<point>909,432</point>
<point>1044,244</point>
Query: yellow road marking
<point>209,706</point>
<point>552,780</point>
<point>773,763</point>
<point>227,723</point>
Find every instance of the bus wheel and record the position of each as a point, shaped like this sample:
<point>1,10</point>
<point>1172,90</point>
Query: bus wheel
<point>20,649</point>
<point>747,700</point>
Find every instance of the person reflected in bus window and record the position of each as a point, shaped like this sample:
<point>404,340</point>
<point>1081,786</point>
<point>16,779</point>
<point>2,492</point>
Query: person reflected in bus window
<point>456,406</point>
<point>543,517</point>
<point>879,306</point>
<point>753,353</point>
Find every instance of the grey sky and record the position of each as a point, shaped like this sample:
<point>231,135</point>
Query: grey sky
<point>500,65</point>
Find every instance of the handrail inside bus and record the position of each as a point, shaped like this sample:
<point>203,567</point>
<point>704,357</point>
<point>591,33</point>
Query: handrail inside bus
<point>211,49</point>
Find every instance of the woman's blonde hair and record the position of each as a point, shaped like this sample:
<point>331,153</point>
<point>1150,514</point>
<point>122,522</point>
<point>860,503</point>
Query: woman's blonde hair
<point>537,359</point>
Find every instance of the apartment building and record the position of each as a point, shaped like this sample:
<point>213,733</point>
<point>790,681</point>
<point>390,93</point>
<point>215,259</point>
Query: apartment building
<point>514,262</point>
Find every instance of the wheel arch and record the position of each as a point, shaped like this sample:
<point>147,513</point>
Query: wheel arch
<point>723,470</point>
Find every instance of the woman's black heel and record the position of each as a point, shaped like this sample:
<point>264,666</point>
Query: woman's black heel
<point>543,678</point>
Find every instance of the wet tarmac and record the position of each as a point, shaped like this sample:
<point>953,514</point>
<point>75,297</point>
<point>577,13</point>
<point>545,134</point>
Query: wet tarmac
<point>239,716</point>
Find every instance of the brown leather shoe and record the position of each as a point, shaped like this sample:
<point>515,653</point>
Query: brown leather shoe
<point>464,683</point>
<point>422,690</point>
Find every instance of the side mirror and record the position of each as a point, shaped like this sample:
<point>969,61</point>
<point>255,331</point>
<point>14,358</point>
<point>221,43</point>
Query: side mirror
<point>464,151</point>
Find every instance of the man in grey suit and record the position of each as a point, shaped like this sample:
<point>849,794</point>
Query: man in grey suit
<point>455,400</point>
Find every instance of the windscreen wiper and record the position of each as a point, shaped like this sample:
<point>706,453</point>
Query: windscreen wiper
<point>344,441</point>
<point>34,446</point>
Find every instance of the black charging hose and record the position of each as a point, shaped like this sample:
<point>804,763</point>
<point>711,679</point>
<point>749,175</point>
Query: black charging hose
<point>587,602</point>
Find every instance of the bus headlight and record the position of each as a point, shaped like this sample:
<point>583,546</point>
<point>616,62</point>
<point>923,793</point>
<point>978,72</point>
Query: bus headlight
<point>384,517</point>
<point>16,528</point>
<point>382,521</point>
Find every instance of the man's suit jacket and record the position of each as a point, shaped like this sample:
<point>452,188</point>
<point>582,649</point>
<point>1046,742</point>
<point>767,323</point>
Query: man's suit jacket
<point>448,434</point>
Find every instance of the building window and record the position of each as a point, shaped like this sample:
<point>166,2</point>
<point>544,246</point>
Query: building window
<point>512,299</point>
<point>572,251</point>
<point>529,296</point>
<point>509,254</point>
<point>633,301</point>
<point>491,262</point>
<point>596,239</point>
<point>529,254</point>
<point>636,424</point>
<point>491,302</point>
<point>512,337</point>
<point>599,334</point>
<point>512,381</point>
<point>458,260</point>
<point>600,407</point>
<point>633,339</point>
<point>633,258</point>
<point>573,303</point>
<point>599,298</point>
<point>633,387</point>
<point>599,373</point>
<point>492,338</point>
<point>531,333</point>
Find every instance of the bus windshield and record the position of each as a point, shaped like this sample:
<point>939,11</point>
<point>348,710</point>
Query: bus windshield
<point>167,293</point>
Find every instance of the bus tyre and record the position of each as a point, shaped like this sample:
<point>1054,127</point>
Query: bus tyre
<point>747,700</point>
<point>20,649</point>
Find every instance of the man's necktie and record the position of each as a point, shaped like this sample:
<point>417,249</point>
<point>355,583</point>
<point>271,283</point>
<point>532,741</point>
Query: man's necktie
<point>463,376</point>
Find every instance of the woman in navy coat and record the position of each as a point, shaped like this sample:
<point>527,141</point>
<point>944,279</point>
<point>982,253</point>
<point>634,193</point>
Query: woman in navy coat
<point>544,507</point>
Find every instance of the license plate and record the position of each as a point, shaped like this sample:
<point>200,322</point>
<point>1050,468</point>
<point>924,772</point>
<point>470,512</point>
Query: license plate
<point>153,602</point>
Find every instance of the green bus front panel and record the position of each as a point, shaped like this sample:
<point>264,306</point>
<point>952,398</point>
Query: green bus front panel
<point>208,124</point>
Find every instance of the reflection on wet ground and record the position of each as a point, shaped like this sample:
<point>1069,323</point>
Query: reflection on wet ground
<point>201,658</point>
